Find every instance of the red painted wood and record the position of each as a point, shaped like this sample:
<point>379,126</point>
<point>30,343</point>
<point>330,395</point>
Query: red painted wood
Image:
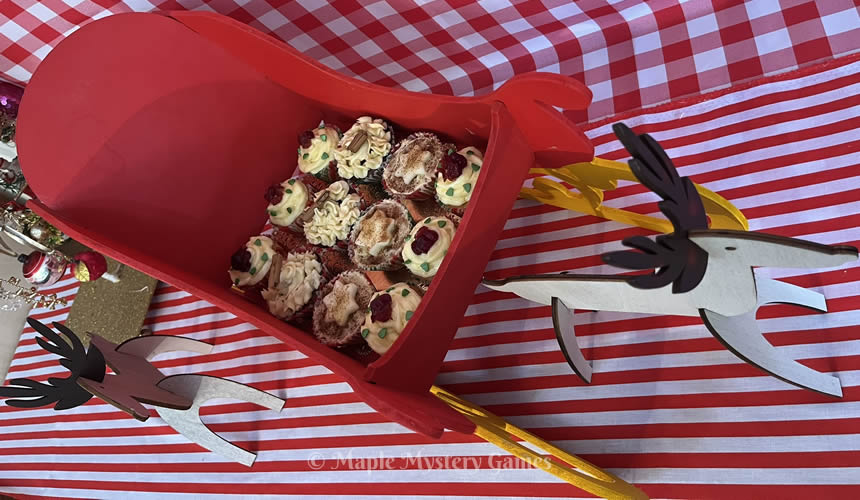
<point>165,132</point>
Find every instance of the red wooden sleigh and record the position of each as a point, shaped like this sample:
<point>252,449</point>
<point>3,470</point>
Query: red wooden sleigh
<point>151,138</point>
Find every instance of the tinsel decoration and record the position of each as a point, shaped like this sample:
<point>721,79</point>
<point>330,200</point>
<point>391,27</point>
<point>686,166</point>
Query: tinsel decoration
<point>11,289</point>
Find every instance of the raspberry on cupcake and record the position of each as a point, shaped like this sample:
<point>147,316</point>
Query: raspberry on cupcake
<point>378,237</point>
<point>362,150</point>
<point>250,264</point>
<point>389,312</point>
<point>339,309</point>
<point>411,170</point>
<point>293,282</point>
<point>457,178</point>
<point>316,152</point>
<point>427,245</point>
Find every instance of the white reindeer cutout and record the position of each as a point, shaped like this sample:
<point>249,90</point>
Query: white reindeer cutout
<point>710,273</point>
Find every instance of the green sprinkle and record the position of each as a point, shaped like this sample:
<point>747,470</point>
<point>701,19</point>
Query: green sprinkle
<point>450,151</point>
<point>300,150</point>
<point>427,220</point>
<point>467,187</point>
<point>289,210</point>
<point>253,271</point>
<point>292,181</point>
<point>305,156</point>
<point>409,315</point>
<point>258,242</point>
<point>476,167</point>
<point>425,266</point>
<point>365,333</point>
<point>265,257</point>
<point>442,223</point>
<point>450,192</point>
<point>408,237</point>
<point>324,156</point>
<point>392,288</point>
<point>237,281</point>
<point>289,191</point>
<point>273,213</point>
<point>470,152</point>
<point>382,333</point>
<point>405,292</point>
<point>408,261</point>
<point>323,137</point>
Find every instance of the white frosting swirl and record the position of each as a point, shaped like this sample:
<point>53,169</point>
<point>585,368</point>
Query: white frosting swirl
<point>381,335</point>
<point>427,264</point>
<point>300,277</point>
<point>321,151</point>
<point>458,192</point>
<point>369,155</point>
<point>292,204</point>
<point>262,251</point>
<point>332,221</point>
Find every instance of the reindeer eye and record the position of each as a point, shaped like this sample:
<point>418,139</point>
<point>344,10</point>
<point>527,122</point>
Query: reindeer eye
<point>731,249</point>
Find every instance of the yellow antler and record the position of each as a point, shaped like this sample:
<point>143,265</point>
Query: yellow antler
<point>579,473</point>
<point>593,178</point>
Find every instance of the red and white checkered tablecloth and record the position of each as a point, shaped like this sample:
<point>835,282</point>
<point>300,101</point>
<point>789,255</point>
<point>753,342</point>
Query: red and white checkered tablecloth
<point>630,53</point>
<point>669,408</point>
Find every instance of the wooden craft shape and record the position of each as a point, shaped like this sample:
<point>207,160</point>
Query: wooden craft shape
<point>694,272</point>
<point>567,467</point>
<point>200,389</point>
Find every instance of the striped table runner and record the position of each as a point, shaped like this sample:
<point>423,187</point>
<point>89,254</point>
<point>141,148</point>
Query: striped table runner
<point>669,408</point>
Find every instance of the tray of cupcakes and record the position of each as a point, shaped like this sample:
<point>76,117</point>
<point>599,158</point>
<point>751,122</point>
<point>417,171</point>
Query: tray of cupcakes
<point>355,238</point>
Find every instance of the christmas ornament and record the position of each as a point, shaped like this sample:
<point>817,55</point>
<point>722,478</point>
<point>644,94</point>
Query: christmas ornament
<point>90,266</point>
<point>43,269</point>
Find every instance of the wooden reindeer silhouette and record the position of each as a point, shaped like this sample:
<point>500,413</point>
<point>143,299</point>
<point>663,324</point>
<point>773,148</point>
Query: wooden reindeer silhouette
<point>135,380</point>
<point>694,272</point>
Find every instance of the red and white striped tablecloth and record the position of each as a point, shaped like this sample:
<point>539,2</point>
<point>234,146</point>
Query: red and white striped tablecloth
<point>669,408</point>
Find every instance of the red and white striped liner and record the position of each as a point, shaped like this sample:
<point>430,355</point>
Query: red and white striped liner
<point>669,408</point>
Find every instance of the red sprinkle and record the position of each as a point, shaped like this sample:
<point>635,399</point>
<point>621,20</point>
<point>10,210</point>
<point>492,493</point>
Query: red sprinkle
<point>380,308</point>
<point>274,194</point>
<point>424,240</point>
<point>452,166</point>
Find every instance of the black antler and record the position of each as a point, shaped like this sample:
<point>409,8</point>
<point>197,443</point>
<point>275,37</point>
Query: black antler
<point>675,257</point>
<point>65,392</point>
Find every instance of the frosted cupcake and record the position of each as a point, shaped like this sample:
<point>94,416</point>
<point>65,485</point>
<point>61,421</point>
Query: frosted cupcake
<point>427,245</point>
<point>388,315</point>
<point>457,178</point>
<point>287,201</point>
<point>250,264</point>
<point>339,310</point>
<point>292,286</point>
<point>335,210</point>
<point>316,152</point>
<point>362,149</point>
<point>378,237</point>
<point>411,170</point>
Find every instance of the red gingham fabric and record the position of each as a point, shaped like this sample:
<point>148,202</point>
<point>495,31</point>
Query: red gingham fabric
<point>629,53</point>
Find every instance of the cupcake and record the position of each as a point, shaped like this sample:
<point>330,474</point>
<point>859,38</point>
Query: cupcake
<point>339,309</point>
<point>411,170</point>
<point>362,149</point>
<point>335,210</point>
<point>389,312</point>
<point>457,177</point>
<point>287,201</point>
<point>316,152</point>
<point>250,264</point>
<point>293,281</point>
<point>378,236</point>
<point>427,245</point>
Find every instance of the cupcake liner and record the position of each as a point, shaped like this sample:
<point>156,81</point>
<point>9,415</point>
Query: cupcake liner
<point>395,260</point>
<point>424,191</point>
